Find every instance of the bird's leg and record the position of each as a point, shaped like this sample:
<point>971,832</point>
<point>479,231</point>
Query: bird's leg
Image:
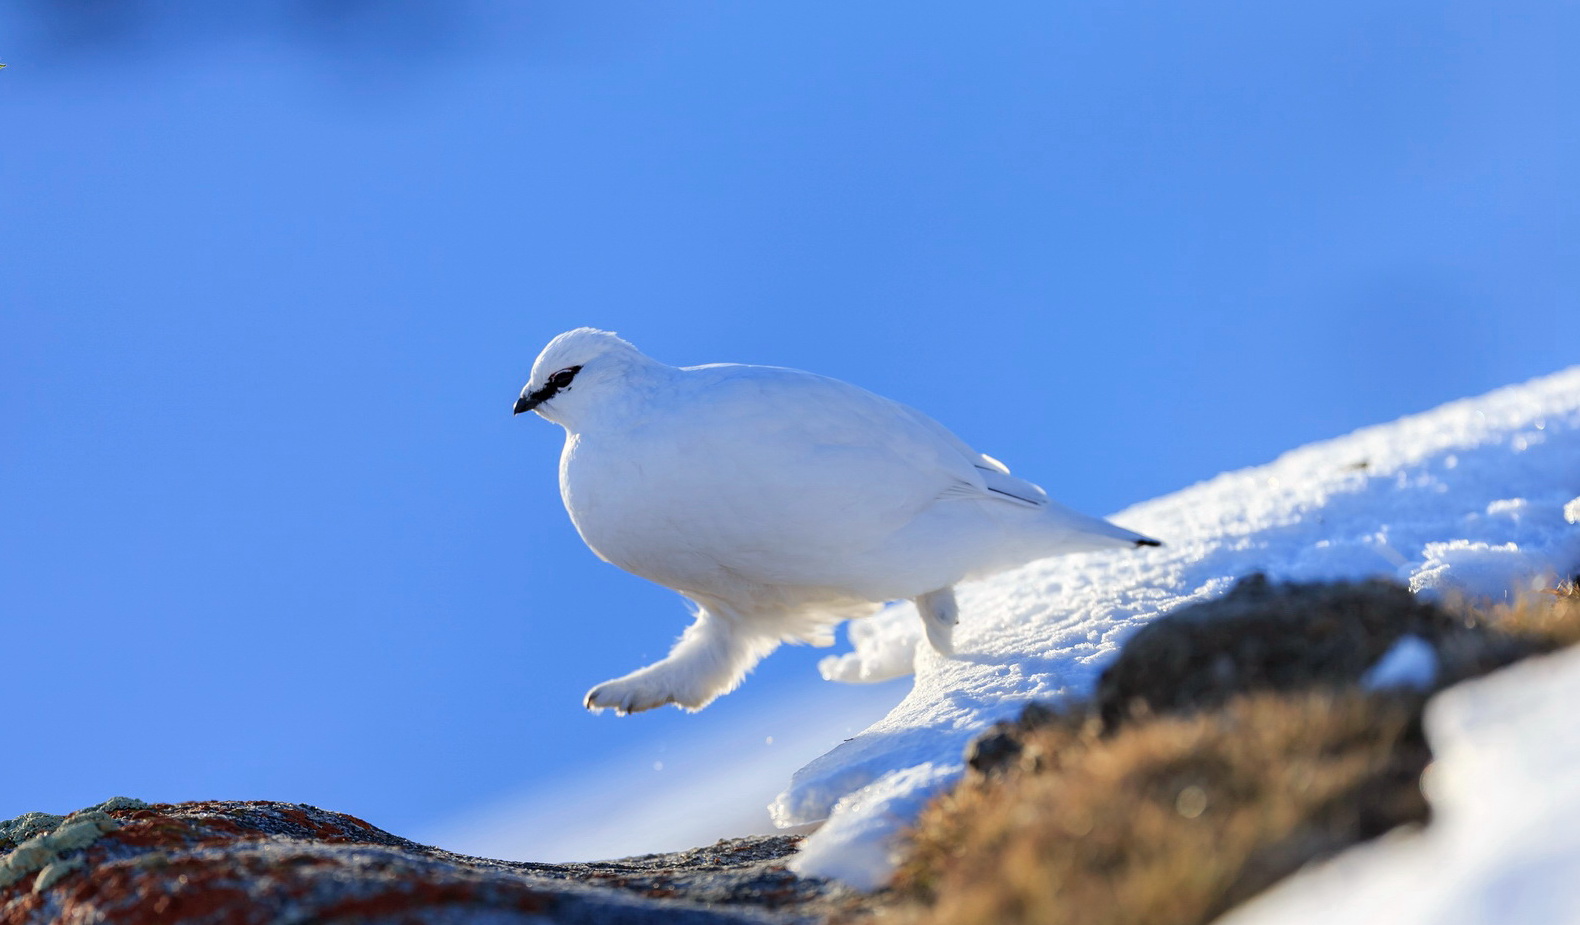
<point>709,660</point>
<point>939,613</point>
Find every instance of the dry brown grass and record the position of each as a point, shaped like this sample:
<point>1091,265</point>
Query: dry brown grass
<point>1550,619</point>
<point>1170,819</point>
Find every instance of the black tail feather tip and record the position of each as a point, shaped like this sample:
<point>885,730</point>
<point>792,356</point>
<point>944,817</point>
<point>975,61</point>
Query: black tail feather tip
<point>1149,542</point>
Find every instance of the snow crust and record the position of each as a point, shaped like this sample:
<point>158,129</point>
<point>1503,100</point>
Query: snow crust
<point>1504,843</point>
<point>1477,497</point>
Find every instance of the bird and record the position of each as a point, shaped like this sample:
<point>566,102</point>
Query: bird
<point>780,503</point>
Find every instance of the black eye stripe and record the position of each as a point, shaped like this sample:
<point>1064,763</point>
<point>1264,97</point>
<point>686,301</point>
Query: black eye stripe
<point>554,384</point>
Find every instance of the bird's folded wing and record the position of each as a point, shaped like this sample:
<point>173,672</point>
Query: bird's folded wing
<point>774,411</point>
<point>988,477</point>
<point>1011,488</point>
<point>997,486</point>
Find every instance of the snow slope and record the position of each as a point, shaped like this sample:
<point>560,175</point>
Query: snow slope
<point>1470,496</point>
<point>1504,843</point>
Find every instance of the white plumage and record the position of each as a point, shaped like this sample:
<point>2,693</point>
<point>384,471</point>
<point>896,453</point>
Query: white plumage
<point>779,502</point>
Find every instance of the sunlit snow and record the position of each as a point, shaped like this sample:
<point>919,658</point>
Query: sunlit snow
<point>1478,496</point>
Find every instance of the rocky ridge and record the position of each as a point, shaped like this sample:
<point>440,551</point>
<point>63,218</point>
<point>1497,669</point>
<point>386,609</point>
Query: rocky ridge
<point>131,863</point>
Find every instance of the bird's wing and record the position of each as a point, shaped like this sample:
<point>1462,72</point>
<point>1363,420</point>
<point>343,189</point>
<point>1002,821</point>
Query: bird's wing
<point>992,478</point>
<point>884,439</point>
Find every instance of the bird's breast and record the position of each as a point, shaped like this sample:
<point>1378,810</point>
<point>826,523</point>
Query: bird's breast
<point>633,503</point>
<point>694,507</point>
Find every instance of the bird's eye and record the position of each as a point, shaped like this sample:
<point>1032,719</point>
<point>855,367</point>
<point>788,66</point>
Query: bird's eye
<point>563,378</point>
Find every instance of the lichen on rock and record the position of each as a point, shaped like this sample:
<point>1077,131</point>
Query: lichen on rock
<point>132,863</point>
<point>14,832</point>
<point>48,847</point>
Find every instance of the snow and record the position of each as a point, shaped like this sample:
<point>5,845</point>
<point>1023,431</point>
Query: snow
<point>1479,569</point>
<point>1410,663</point>
<point>1504,842</point>
<point>1477,497</point>
<point>884,649</point>
<point>865,819</point>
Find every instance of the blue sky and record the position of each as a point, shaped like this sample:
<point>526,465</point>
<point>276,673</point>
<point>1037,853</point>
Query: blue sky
<point>271,276</point>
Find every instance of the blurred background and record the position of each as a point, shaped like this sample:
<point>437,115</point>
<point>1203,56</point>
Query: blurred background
<point>272,273</point>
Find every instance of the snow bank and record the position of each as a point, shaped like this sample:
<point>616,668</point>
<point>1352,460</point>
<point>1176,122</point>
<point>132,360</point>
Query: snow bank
<point>1478,496</point>
<point>1504,843</point>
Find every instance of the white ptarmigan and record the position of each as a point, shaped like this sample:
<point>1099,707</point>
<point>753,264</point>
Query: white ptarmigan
<point>779,502</point>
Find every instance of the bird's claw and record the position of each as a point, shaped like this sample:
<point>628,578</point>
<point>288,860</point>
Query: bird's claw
<point>626,697</point>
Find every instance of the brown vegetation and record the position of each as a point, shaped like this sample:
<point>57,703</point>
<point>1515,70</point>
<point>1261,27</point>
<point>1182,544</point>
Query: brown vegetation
<point>1168,821</point>
<point>1549,619</point>
<point>1217,758</point>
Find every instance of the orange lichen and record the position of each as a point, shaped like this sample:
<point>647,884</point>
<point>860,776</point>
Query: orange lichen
<point>427,895</point>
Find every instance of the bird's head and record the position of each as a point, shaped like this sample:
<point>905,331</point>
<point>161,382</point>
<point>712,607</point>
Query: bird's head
<point>571,370</point>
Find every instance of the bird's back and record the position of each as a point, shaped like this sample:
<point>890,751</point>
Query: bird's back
<point>728,474</point>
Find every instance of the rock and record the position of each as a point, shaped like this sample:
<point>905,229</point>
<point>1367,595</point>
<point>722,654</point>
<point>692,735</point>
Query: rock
<point>997,748</point>
<point>243,862</point>
<point>1265,636</point>
<point>1284,637</point>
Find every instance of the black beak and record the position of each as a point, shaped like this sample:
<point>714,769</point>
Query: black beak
<point>556,383</point>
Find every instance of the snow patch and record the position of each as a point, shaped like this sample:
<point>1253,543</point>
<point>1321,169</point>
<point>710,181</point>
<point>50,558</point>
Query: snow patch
<point>884,647</point>
<point>859,848</point>
<point>1504,843</point>
<point>1477,495</point>
<point>1479,570</point>
<point>1411,662</point>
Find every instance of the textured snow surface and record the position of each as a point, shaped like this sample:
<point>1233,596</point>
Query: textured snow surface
<point>1504,843</point>
<point>1478,496</point>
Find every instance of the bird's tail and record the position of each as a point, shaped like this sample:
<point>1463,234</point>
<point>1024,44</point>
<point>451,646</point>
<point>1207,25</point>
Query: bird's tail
<point>1071,531</point>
